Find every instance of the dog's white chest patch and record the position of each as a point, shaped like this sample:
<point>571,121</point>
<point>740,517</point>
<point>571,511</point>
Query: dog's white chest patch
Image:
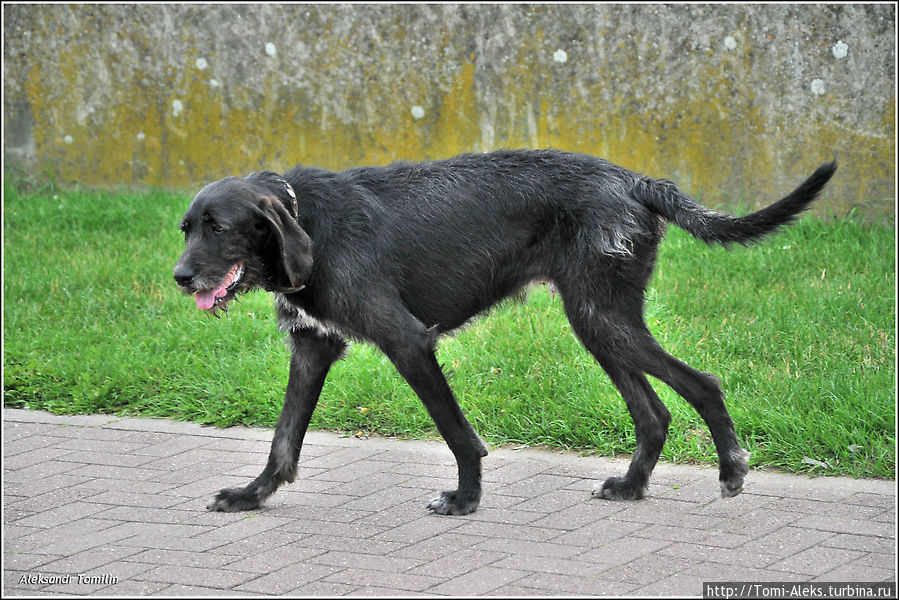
<point>294,318</point>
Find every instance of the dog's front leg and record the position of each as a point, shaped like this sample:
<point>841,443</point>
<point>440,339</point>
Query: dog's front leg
<point>416,362</point>
<point>312,357</point>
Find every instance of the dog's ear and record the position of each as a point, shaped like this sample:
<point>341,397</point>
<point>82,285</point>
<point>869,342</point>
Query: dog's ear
<point>290,257</point>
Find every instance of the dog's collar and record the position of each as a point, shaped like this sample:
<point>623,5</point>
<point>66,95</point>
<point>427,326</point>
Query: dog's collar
<point>295,209</point>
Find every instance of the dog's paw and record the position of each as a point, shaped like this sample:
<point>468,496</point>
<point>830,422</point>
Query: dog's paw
<point>454,503</point>
<point>731,479</point>
<point>618,488</point>
<point>234,500</point>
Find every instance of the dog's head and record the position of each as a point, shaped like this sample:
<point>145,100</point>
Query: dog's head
<point>242,233</point>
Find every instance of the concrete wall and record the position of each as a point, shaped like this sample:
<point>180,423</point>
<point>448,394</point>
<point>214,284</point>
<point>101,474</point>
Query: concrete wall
<point>735,102</point>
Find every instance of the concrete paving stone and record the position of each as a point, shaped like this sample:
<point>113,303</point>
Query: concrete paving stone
<point>375,562</point>
<point>478,582</point>
<point>249,526</point>
<point>257,544</point>
<point>62,514</point>
<point>296,500</point>
<point>50,500</point>
<point>679,584</point>
<point>90,457</point>
<point>196,576</point>
<point>298,514</point>
<point>134,589</point>
<point>360,531</point>
<point>137,500</point>
<point>123,472</point>
<point>757,522</point>
<point>145,532</point>
<point>458,562</point>
<point>170,446</point>
<point>13,447</point>
<point>489,499</point>
<point>688,534</point>
<point>39,538</point>
<point>171,541</point>
<point>846,525</point>
<point>552,501</point>
<point>833,509</point>
<point>24,561</point>
<point>869,499</point>
<point>376,591</point>
<point>190,459</point>
<point>160,556</point>
<point>367,484</point>
<point>788,541</point>
<point>205,487</point>
<point>589,511</point>
<point>419,529</point>
<point>881,560</point>
<point>89,559</point>
<point>815,561</point>
<point>324,589</point>
<point>505,516</point>
<point>516,591</point>
<point>435,548</point>
<point>241,446</point>
<point>276,558</point>
<point>287,579</point>
<point>509,472</point>
<point>656,511</point>
<point>536,485</point>
<point>598,533</point>
<point>865,543</point>
<point>544,564</point>
<point>646,569</point>
<point>857,573</point>
<point>356,523</point>
<point>140,514</point>
<point>324,543</point>
<point>25,460</point>
<point>383,499</point>
<point>547,549</point>
<point>623,550</point>
<point>512,531</point>
<point>719,572</point>
<point>13,431</point>
<point>728,507</point>
<point>571,584</point>
<point>178,589</point>
<point>339,458</point>
<point>746,555</point>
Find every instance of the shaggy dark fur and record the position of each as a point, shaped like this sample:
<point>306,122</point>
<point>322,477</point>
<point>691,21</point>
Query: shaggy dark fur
<point>398,255</point>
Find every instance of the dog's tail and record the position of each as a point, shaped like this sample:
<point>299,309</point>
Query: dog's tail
<point>664,198</point>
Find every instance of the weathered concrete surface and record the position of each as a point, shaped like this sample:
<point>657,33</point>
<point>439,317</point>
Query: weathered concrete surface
<point>735,102</point>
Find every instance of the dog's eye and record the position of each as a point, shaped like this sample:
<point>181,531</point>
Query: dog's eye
<point>216,228</point>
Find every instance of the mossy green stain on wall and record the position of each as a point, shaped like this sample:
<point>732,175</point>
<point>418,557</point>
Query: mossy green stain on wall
<point>653,88</point>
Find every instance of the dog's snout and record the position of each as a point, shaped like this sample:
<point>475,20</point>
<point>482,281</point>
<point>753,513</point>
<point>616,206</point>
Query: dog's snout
<point>183,276</point>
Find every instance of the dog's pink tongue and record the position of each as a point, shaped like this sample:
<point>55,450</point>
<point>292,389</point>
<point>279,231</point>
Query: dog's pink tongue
<point>206,300</point>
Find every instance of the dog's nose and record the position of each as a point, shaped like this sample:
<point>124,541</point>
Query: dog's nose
<point>183,276</point>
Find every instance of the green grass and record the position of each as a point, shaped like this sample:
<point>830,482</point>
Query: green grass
<point>800,330</point>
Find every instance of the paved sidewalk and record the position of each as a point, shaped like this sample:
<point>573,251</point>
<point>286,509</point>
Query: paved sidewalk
<point>99,505</point>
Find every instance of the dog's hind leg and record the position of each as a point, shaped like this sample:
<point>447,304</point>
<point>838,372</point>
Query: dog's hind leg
<point>619,340</point>
<point>312,356</point>
<point>412,352</point>
<point>703,392</point>
<point>650,417</point>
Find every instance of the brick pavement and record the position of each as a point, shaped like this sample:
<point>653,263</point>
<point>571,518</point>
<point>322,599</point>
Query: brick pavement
<point>100,505</point>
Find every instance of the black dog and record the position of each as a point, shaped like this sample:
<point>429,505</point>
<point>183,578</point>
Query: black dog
<point>398,255</point>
